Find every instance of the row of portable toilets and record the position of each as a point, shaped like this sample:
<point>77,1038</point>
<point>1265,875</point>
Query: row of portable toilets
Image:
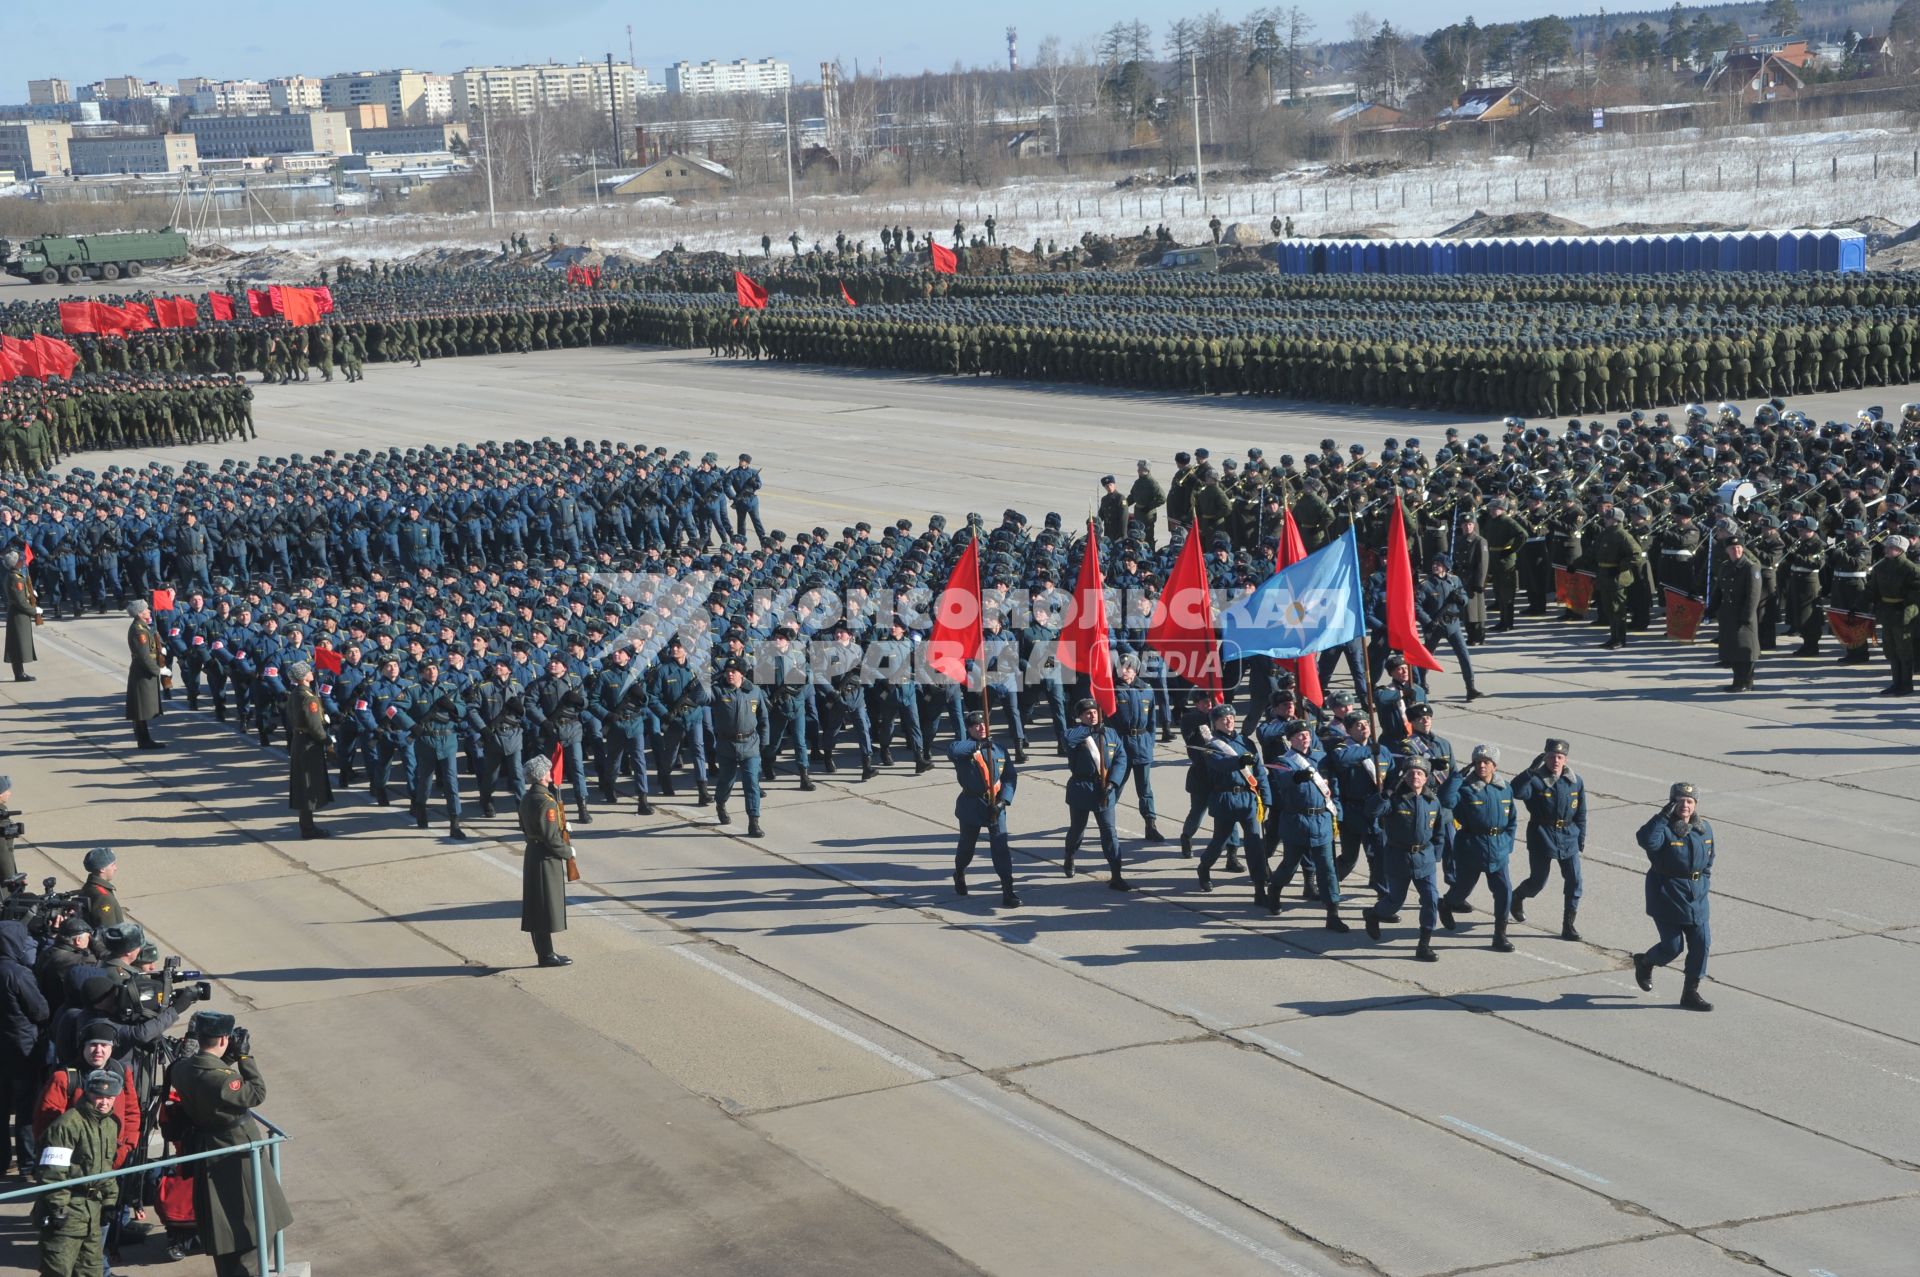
<point>1577,255</point>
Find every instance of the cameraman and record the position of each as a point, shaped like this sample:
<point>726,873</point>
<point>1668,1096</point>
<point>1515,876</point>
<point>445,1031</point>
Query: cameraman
<point>72,946</point>
<point>10,829</point>
<point>135,1026</point>
<point>215,1090</point>
<point>23,1013</point>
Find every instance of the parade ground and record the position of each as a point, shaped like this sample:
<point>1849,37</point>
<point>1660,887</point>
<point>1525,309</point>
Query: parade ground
<point>804,1055</point>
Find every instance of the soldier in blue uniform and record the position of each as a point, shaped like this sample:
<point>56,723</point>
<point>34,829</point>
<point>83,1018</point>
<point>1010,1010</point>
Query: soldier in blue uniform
<point>1411,829</point>
<point>894,698</point>
<point>499,709</point>
<point>679,698</point>
<point>1132,721</point>
<point>1679,847</point>
<point>437,710</point>
<point>387,697</point>
<point>740,738</point>
<point>743,488</point>
<point>1482,806</point>
<point>1237,788</point>
<point>782,675</point>
<point>619,701</point>
<point>1307,814</point>
<point>556,703</point>
<point>1096,766</point>
<point>988,778</point>
<point>1556,803</point>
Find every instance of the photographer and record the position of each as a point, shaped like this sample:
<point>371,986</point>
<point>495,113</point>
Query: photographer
<point>214,1090</point>
<point>10,829</point>
<point>23,1013</point>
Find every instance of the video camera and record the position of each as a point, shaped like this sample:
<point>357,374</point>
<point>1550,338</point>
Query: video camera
<point>239,1043</point>
<point>11,826</point>
<point>40,912</point>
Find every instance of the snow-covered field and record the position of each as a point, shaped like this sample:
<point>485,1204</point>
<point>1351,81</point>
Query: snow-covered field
<point>1743,176</point>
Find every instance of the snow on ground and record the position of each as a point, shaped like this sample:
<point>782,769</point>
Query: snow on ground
<point>1746,175</point>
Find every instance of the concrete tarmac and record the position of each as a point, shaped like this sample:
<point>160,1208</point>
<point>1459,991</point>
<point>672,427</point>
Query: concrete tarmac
<point>805,1054</point>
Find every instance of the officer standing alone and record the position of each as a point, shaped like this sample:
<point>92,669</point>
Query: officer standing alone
<point>1679,847</point>
<point>543,879</point>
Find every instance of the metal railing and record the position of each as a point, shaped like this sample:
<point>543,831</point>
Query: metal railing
<point>270,1144</point>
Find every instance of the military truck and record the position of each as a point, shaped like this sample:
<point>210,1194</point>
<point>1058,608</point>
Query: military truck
<point>52,258</point>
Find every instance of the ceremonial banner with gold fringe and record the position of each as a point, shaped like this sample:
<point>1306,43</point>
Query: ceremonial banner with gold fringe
<point>1683,616</point>
<point>1853,629</point>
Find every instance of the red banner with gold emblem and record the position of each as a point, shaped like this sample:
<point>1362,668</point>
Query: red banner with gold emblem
<point>1851,628</point>
<point>1683,616</point>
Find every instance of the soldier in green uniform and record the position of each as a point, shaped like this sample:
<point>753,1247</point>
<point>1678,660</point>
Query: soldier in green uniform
<point>1617,557</point>
<point>543,883</point>
<point>23,611</point>
<point>217,1087</point>
<point>309,785</point>
<point>82,1141</point>
<point>1894,586</point>
<point>97,897</point>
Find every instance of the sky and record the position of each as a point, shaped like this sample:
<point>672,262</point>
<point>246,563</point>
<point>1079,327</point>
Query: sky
<point>261,39</point>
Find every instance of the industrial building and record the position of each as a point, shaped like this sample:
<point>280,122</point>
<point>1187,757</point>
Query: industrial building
<point>693,79</point>
<point>270,133</point>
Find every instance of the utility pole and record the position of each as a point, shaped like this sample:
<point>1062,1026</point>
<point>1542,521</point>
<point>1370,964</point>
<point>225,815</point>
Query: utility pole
<point>787,110</point>
<point>613,107</point>
<point>1199,173</point>
<point>486,127</point>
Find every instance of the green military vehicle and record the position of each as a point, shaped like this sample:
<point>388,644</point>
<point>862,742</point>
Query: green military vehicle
<point>72,258</point>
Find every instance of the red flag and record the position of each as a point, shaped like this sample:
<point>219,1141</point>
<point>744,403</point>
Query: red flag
<point>260,304</point>
<point>57,358</point>
<point>186,313</point>
<point>136,317</point>
<point>957,635</point>
<point>1086,644</point>
<point>1182,628</point>
<point>559,764</point>
<point>573,276</point>
<point>166,310</point>
<point>11,363</point>
<point>26,554</point>
<point>328,660</point>
<point>944,262</point>
<point>845,295</point>
<point>1403,631</point>
<point>323,298</point>
<point>1853,629</point>
<point>108,320</point>
<point>751,295</point>
<point>1683,616</point>
<point>163,600</point>
<point>299,305</point>
<point>221,304</point>
<point>77,317</point>
<point>1306,669</point>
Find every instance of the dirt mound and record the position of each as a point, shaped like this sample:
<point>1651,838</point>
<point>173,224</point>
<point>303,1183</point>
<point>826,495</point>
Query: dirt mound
<point>1668,228</point>
<point>1367,168</point>
<point>1484,225</point>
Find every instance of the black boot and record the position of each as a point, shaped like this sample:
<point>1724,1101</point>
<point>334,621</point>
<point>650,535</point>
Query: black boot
<point>419,815</point>
<point>1067,868</point>
<point>806,783</point>
<point>1446,917</point>
<point>706,798</point>
<point>1273,899</point>
<point>643,807</point>
<point>666,785</point>
<point>753,828</point>
<point>310,830</point>
<point>1153,833</point>
<point>583,816</point>
<point>959,882</point>
<point>1373,924</point>
<point>1425,952</point>
<point>1567,929</point>
<point>1690,997</point>
<point>1206,881</point>
<point>1333,921</point>
<point>720,812</point>
<point>923,764</point>
<point>1233,861</point>
<point>1186,846</point>
<point>868,771</point>
<point>1500,942</point>
<point>1008,900</point>
<point>455,832</point>
<point>1513,908</point>
<point>1643,972</point>
<point>1116,883</point>
<point>1020,754</point>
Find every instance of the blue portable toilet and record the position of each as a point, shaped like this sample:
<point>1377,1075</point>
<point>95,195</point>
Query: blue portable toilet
<point>1853,251</point>
<point>1634,252</point>
<point>1558,253</point>
<point>1826,251</point>
<point>1748,253</point>
<point>1475,251</point>
<point>1766,252</point>
<point>1373,259</point>
<point>1446,258</point>
<point>1663,255</point>
<point>1788,252</point>
<point>1523,257</point>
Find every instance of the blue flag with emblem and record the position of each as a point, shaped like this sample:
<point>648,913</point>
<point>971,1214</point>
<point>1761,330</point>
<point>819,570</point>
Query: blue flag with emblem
<point>1309,607</point>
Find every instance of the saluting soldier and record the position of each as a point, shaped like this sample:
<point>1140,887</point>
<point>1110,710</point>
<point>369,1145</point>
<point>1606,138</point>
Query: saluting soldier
<point>543,878</point>
<point>1483,809</point>
<point>1556,803</point>
<point>147,660</point>
<point>1412,832</point>
<point>1679,847</point>
<point>309,785</point>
